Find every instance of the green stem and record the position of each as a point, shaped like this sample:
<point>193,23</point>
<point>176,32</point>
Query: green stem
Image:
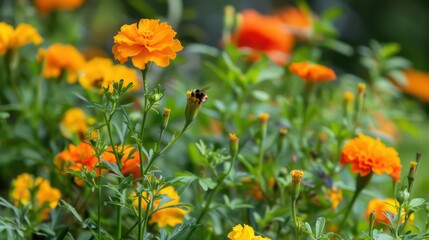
<point>398,222</point>
<point>119,221</point>
<point>212,196</point>
<point>361,183</point>
<point>261,157</point>
<point>295,220</point>
<point>99,205</point>
<point>140,145</point>
<point>149,206</point>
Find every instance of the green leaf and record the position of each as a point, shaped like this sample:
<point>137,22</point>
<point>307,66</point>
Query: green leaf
<point>338,46</point>
<point>399,77</point>
<point>417,202</point>
<point>332,13</point>
<point>320,226</point>
<point>207,183</point>
<point>389,50</point>
<point>72,210</point>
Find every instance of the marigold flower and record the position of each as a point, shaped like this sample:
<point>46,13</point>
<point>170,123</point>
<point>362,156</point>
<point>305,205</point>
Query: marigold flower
<point>367,155</point>
<point>77,158</point>
<point>46,6</point>
<point>296,21</point>
<point>260,34</point>
<point>15,38</point>
<point>335,195</point>
<point>381,207</point>
<point>312,72</point>
<point>296,175</point>
<point>99,73</point>
<point>163,214</point>
<point>147,41</point>
<point>58,58</point>
<point>76,122</point>
<point>130,160</point>
<point>46,197</point>
<point>244,233</point>
<point>417,84</point>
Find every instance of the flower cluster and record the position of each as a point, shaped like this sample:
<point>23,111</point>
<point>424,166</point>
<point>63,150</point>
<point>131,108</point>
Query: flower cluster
<point>38,192</point>
<point>75,122</point>
<point>367,155</point>
<point>22,35</point>
<point>244,233</point>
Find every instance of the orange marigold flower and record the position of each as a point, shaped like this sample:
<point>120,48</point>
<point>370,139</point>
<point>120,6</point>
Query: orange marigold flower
<point>58,58</point>
<point>130,159</point>
<point>15,38</point>
<point>147,41</point>
<point>165,215</point>
<point>99,73</point>
<point>46,197</point>
<point>312,72</point>
<point>260,34</point>
<point>381,207</point>
<point>367,155</point>
<point>417,84</point>
<point>77,158</point>
<point>76,122</point>
<point>46,6</point>
<point>296,21</point>
<point>244,232</point>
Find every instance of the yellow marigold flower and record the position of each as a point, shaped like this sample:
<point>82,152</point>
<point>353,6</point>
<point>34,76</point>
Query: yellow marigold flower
<point>77,157</point>
<point>58,58</point>
<point>147,41</point>
<point>99,73</point>
<point>367,155</point>
<point>297,175</point>
<point>75,121</point>
<point>335,195</point>
<point>381,207</point>
<point>163,215</point>
<point>244,233</point>
<point>46,6</point>
<point>46,197</point>
<point>312,72</point>
<point>22,35</point>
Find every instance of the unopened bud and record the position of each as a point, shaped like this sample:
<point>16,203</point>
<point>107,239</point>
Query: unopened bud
<point>196,98</point>
<point>233,144</point>
<point>165,117</point>
<point>361,88</point>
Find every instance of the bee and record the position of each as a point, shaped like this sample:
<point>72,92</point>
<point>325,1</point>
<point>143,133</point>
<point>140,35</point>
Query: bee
<point>200,94</point>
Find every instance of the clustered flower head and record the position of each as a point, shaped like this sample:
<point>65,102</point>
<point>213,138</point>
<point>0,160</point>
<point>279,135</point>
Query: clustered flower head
<point>76,158</point>
<point>244,232</point>
<point>27,190</point>
<point>46,6</point>
<point>99,73</point>
<point>59,58</point>
<point>336,196</point>
<point>164,214</point>
<point>296,175</point>
<point>147,41</point>
<point>380,207</point>
<point>367,155</point>
<point>130,160</point>
<point>272,39</point>
<point>76,122</point>
<point>312,72</point>
<point>22,35</point>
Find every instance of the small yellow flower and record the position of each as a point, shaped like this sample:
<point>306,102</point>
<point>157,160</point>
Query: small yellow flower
<point>233,137</point>
<point>263,118</point>
<point>348,96</point>
<point>335,195</point>
<point>22,35</point>
<point>75,121</point>
<point>165,215</point>
<point>99,73</point>
<point>361,88</point>
<point>46,197</point>
<point>244,233</point>
<point>297,175</point>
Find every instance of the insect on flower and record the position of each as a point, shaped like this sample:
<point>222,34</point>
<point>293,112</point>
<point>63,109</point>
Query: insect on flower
<point>200,94</point>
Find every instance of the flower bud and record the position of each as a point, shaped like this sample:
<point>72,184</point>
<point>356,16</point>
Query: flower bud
<point>282,139</point>
<point>347,102</point>
<point>263,120</point>
<point>296,182</point>
<point>165,117</point>
<point>361,88</point>
<point>233,144</point>
<point>196,98</point>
